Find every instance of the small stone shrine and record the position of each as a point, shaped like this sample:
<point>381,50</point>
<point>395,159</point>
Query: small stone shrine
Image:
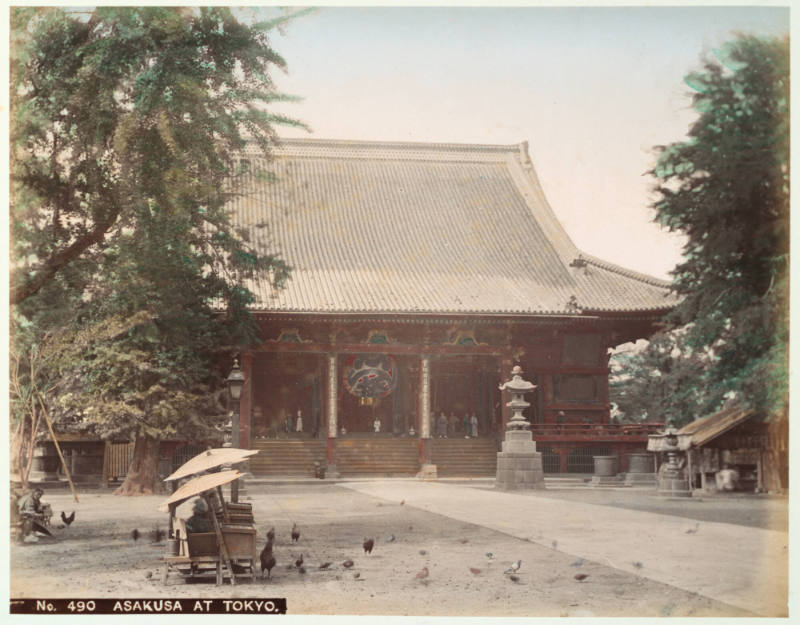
<point>519,465</point>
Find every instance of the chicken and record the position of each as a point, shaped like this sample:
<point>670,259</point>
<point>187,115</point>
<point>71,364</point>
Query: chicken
<point>581,576</point>
<point>295,533</point>
<point>271,535</point>
<point>68,519</point>
<point>134,534</point>
<point>423,574</point>
<point>302,570</point>
<point>157,534</point>
<point>368,545</point>
<point>299,562</point>
<point>474,571</point>
<point>347,564</point>
<point>267,559</point>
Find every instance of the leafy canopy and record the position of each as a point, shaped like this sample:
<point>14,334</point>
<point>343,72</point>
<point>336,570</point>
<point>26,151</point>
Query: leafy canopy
<point>126,125</point>
<point>727,189</point>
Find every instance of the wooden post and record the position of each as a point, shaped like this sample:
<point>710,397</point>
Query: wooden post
<point>689,469</point>
<point>222,552</point>
<point>58,448</point>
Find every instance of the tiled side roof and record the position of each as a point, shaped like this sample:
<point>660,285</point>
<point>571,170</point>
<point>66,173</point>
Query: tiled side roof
<point>384,227</point>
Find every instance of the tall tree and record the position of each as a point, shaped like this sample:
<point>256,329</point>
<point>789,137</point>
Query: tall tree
<point>727,189</point>
<point>126,125</point>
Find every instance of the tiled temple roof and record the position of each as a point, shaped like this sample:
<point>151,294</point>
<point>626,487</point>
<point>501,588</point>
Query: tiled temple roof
<point>422,228</point>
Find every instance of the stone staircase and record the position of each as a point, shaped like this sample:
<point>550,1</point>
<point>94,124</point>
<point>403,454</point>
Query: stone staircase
<point>378,456</point>
<point>289,457</point>
<point>464,457</point>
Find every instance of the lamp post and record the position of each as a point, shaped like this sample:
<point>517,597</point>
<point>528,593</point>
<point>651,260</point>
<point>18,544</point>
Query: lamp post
<point>235,383</point>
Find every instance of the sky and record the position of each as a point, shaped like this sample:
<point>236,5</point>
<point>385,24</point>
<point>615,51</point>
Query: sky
<point>593,91</point>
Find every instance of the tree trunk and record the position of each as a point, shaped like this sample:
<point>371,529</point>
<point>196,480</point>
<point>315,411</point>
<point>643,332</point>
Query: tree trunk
<point>142,477</point>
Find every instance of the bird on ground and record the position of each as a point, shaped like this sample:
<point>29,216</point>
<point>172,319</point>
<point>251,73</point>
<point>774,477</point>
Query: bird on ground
<point>577,562</point>
<point>489,555</point>
<point>474,571</point>
<point>422,552</point>
<point>513,578</point>
<point>638,565</point>
<point>302,570</point>
<point>693,531</point>
<point>514,567</point>
<point>299,562</point>
<point>347,564</point>
<point>324,565</point>
<point>295,533</point>
<point>391,538</point>
<point>402,503</point>
<point>271,535</point>
<point>423,574</point>
<point>158,534</point>
<point>68,519</point>
<point>267,559</point>
<point>555,544</point>
<point>581,576</point>
<point>356,575</point>
<point>135,534</point>
<point>369,543</point>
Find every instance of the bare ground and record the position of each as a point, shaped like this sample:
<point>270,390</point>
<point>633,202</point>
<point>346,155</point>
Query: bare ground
<point>96,557</point>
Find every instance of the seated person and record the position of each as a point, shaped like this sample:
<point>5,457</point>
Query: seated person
<point>30,510</point>
<point>199,521</point>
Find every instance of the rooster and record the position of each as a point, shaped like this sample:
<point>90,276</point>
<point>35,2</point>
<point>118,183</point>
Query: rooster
<point>134,533</point>
<point>267,559</point>
<point>368,545</point>
<point>299,562</point>
<point>68,519</point>
<point>295,533</point>
<point>271,535</point>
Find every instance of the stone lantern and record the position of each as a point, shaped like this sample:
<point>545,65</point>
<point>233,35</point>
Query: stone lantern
<point>519,465</point>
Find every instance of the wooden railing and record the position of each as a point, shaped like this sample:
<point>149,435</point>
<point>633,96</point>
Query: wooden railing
<point>568,430</point>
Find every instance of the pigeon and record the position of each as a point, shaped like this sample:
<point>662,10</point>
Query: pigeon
<point>581,576</point>
<point>302,570</point>
<point>489,555</point>
<point>368,545</point>
<point>299,562</point>
<point>68,519</point>
<point>295,533</point>
<point>638,565</point>
<point>423,574</point>
<point>148,575</point>
<point>324,565</point>
<point>514,567</point>
<point>347,564</point>
<point>474,571</point>
<point>391,539</point>
<point>422,552</point>
<point>513,578</point>
<point>693,531</point>
<point>356,575</point>
<point>577,562</point>
<point>271,535</point>
<point>135,534</point>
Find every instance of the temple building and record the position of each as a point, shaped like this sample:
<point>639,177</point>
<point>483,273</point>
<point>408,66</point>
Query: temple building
<point>421,273</point>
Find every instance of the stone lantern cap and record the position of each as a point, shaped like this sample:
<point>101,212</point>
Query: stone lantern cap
<point>516,384</point>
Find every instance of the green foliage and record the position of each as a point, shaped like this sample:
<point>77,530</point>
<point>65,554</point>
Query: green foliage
<point>126,125</point>
<point>727,189</point>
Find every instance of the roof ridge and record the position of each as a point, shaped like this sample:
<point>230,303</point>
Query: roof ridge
<point>623,271</point>
<point>447,146</point>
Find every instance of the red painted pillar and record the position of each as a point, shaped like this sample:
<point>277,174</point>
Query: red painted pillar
<point>506,363</point>
<point>246,401</point>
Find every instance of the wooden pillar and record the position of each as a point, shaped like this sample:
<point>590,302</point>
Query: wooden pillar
<point>562,458</point>
<point>506,363</point>
<point>332,405</point>
<point>246,401</point>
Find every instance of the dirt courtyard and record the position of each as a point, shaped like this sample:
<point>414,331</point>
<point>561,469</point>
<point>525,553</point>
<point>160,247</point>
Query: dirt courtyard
<point>96,557</point>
